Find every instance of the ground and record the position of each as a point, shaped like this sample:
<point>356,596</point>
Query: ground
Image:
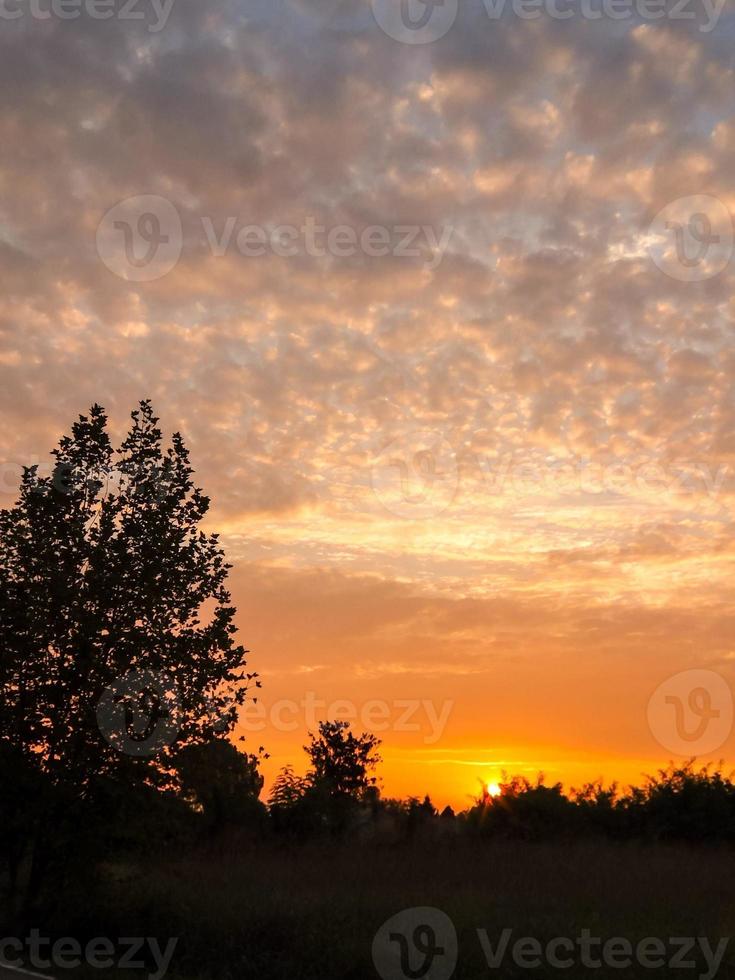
<point>311,912</point>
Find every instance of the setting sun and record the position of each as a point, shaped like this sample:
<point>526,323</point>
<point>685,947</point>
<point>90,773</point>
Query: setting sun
<point>493,789</point>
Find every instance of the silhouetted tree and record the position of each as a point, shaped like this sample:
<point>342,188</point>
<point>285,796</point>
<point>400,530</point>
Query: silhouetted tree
<point>287,803</point>
<point>340,777</point>
<point>23,797</point>
<point>103,571</point>
<point>419,815</point>
<point>598,808</point>
<point>338,784</point>
<point>684,803</point>
<point>342,761</point>
<point>287,789</point>
<point>526,810</point>
<point>222,784</point>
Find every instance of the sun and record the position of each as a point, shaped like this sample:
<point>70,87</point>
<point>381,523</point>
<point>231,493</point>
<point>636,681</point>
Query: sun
<point>493,789</point>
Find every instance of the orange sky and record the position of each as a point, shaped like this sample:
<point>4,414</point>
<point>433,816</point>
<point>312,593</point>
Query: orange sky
<point>462,687</point>
<point>491,475</point>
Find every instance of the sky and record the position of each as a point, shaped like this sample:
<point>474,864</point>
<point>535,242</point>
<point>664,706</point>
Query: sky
<point>444,314</point>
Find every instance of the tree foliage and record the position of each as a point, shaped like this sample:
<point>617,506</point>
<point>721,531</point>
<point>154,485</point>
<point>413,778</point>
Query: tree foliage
<point>118,649</point>
<point>338,786</point>
<point>104,570</point>
<point>221,783</point>
<point>341,761</point>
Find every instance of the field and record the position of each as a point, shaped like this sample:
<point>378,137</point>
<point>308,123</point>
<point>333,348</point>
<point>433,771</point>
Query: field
<point>310,912</point>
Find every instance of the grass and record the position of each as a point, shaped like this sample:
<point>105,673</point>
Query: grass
<point>310,912</point>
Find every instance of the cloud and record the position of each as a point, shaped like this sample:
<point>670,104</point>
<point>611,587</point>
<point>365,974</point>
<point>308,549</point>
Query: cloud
<point>546,337</point>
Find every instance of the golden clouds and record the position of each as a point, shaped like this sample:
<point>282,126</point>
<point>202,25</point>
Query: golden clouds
<point>571,538</point>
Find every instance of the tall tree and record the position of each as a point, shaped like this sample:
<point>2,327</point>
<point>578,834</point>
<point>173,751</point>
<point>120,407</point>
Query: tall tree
<point>117,635</point>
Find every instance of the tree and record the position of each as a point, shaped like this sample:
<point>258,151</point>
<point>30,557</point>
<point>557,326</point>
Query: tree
<point>419,815</point>
<point>531,811</point>
<point>288,804</point>
<point>340,776</point>
<point>341,761</point>
<point>288,789</point>
<point>117,635</point>
<point>338,784</point>
<point>221,783</point>
<point>22,798</point>
<point>685,803</point>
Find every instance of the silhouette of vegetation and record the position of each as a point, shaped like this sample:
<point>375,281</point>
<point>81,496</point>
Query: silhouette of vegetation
<point>222,785</point>
<point>342,762</point>
<point>679,803</point>
<point>523,809</point>
<point>104,570</point>
<point>336,790</point>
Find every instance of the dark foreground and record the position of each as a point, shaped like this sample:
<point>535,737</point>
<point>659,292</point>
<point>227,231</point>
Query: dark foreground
<point>311,912</point>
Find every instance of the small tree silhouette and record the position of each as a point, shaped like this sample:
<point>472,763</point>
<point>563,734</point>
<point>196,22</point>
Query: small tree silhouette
<point>341,762</point>
<point>288,804</point>
<point>340,777</point>
<point>338,783</point>
<point>288,789</point>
